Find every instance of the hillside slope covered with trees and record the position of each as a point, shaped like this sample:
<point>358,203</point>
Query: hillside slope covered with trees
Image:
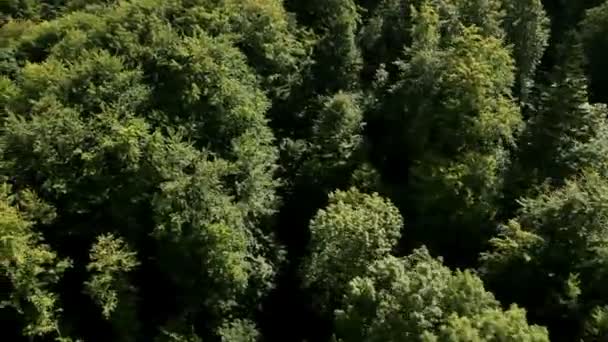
<point>287,170</point>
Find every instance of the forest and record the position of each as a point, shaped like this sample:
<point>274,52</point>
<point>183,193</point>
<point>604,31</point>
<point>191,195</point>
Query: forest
<point>304,170</point>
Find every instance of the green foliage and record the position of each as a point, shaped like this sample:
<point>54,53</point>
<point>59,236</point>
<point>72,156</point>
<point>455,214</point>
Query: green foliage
<point>43,9</point>
<point>490,325</point>
<point>594,31</point>
<point>175,139</point>
<point>337,56</point>
<point>390,27</point>
<point>565,134</point>
<point>450,113</point>
<point>203,232</point>
<point>485,14</point>
<point>339,46</point>
<point>527,28</point>
<point>555,249</point>
<point>169,336</point>
<point>418,299</point>
<point>111,261</point>
<point>335,145</point>
<point>596,327</point>
<point>336,132</point>
<point>109,286</point>
<point>30,266</point>
<point>353,230</point>
<point>239,331</point>
<point>237,170</point>
<point>274,45</point>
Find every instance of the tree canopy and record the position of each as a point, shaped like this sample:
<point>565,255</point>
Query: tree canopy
<point>284,170</point>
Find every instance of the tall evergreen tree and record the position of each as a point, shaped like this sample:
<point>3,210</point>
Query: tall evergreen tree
<point>562,125</point>
<point>565,16</point>
<point>594,29</point>
<point>527,30</point>
<point>337,56</point>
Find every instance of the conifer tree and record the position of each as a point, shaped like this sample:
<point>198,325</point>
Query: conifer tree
<point>337,56</point>
<point>563,124</point>
<point>593,30</point>
<point>527,28</point>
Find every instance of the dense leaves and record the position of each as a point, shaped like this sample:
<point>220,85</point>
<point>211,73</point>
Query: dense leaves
<point>527,28</point>
<point>28,265</point>
<point>419,299</point>
<point>354,230</point>
<point>449,117</point>
<point>269,170</point>
<point>551,257</point>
